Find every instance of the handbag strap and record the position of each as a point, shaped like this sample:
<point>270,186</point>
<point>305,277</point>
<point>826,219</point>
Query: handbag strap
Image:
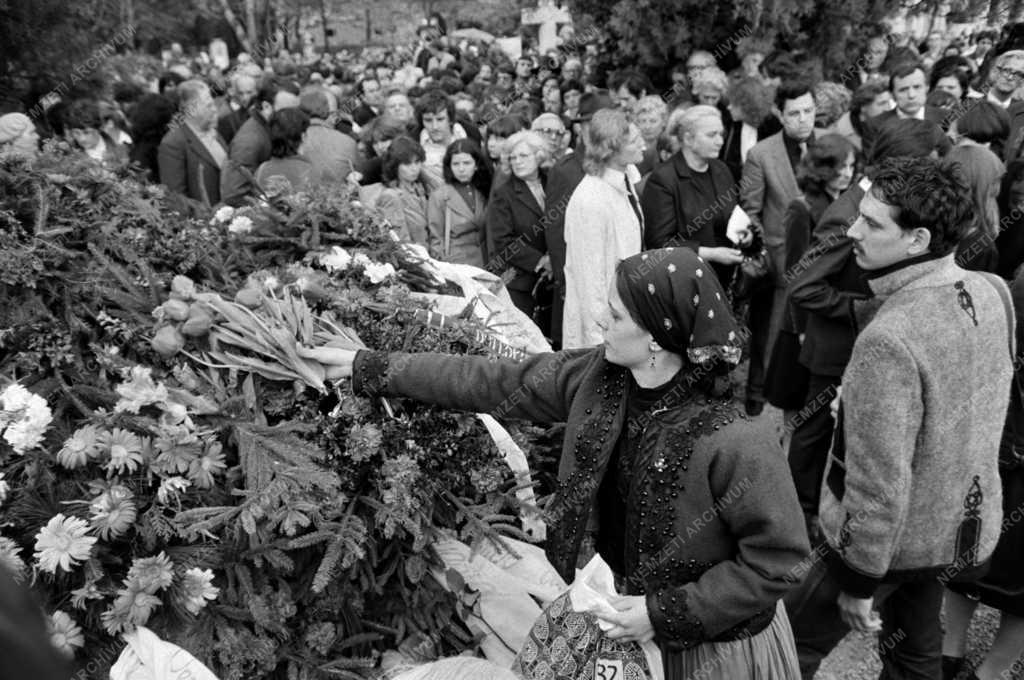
<point>447,230</point>
<point>1011,319</point>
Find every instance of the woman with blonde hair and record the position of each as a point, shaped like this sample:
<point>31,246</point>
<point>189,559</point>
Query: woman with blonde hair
<point>603,223</point>
<point>710,86</point>
<point>514,219</point>
<point>651,117</point>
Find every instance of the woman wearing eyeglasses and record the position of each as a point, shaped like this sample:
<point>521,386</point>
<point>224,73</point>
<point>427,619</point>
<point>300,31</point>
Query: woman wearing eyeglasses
<point>515,219</point>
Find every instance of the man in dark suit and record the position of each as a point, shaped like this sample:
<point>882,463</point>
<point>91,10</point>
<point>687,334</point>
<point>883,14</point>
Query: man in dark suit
<point>372,96</point>
<point>1006,76</point>
<point>251,146</point>
<point>824,283</point>
<point>243,90</point>
<point>766,190</point>
<point>192,153</point>
<point>909,88</point>
<point>563,179</point>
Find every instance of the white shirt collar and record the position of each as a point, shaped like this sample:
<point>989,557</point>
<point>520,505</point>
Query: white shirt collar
<point>919,115</point>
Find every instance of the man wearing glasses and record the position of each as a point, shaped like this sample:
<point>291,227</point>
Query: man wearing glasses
<point>551,126</point>
<point>1007,75</point>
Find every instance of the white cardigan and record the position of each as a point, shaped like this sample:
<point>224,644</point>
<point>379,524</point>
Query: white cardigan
<point>600,229</point>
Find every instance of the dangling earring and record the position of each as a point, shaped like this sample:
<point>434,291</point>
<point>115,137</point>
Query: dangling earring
<point>653,358</point>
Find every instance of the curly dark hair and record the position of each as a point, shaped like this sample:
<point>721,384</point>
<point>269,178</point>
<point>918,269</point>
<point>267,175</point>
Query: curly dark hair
<point>151,116</point>
<point>435,101</point>
<point>403,150</point>
<point>753,98</point>
<point>926,194</point>
<point>286,129</point>
<point>82,114</point>
<point>820,165</point>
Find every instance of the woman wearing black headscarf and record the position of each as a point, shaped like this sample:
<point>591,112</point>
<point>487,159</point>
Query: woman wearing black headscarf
<point>697,512</point>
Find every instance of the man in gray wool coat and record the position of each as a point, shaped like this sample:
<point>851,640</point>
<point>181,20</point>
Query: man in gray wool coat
<point>911,498</point>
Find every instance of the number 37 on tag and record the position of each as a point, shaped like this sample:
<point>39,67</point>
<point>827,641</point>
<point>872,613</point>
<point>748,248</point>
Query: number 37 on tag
<point>608,669</point>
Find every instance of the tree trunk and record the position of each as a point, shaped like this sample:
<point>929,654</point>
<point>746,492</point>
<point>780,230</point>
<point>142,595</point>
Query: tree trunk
<point>994,8</point>
<point>323,22</point>
<point>229,15</point>
<point>250,21</point>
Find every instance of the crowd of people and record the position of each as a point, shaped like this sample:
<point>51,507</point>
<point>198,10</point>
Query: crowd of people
<point>851,235</point>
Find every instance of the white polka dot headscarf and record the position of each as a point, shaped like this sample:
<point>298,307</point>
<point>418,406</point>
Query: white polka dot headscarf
<point>675,295</point>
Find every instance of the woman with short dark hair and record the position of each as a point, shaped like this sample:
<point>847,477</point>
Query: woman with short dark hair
<point>403,201</point>
<point>287,170</point>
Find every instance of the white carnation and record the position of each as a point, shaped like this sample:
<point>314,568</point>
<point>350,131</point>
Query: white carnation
<point>223,214</point>
<point>378,272</point>
<point>25,417</point>
<point>336,260</point>
<point>240,225</point>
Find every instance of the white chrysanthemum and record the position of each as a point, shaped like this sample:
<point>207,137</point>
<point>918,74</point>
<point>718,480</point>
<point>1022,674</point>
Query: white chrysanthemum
<point>223,214</point>
<point>79,448</point>
<point>5,488</point>
<point>170,488</point>
<point>63,543</point>
<point>65,634</point>
<point>113,512</point>
<point>198,588</point>
<point>361,259</point>
<point>10,559</point>
<point>150,574</point>
<point>139,390</point>
<point>124,448</point>
<point>336,260</point>
<point>378,273</point>
<point>26,416</point>
<point>240,225</point>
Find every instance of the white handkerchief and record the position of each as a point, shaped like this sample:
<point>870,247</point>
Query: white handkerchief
<point>739,225</point>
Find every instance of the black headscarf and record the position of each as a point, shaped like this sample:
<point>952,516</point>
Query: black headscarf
<point>676,297</point>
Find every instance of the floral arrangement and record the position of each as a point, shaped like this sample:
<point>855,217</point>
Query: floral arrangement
<point>168,460</point>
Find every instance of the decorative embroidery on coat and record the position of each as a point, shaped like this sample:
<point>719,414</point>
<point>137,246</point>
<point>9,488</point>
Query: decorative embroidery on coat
<point>681,629</point>
<point>968,536</point>
<point>966,302</point>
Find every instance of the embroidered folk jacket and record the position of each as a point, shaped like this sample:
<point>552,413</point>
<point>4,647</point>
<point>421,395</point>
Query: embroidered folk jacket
<point>714,532</point>
<point>912,484</point>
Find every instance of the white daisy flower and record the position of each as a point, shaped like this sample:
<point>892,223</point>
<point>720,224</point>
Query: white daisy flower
<point>10,559</point>
<point>65,634</point>
<point>63,543</point>
<point>198,588</point>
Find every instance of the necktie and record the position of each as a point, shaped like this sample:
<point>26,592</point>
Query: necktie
<point>635,204</point>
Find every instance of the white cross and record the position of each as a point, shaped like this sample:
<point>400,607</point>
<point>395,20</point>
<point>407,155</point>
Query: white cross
<point>547,16</point>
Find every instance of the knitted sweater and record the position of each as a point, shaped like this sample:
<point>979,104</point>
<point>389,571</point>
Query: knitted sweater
<point>912,483</point>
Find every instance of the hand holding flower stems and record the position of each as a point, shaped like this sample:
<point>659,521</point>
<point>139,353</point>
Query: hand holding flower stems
<point>337,362</point>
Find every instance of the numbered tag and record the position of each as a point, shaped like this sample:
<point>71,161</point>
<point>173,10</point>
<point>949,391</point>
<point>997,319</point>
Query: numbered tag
<point>608,669</point>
